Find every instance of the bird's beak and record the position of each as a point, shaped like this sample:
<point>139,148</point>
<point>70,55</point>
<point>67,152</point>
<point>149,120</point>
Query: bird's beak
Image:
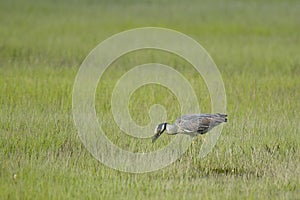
<point>154,138</point>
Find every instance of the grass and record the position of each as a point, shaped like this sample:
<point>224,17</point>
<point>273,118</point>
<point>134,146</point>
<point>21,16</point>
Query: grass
<point>256,47</point>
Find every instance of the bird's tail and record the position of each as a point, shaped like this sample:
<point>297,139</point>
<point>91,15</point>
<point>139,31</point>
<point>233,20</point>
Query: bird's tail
<point>221,117</point>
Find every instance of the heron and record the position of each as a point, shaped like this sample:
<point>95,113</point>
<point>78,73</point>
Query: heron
<point>191,124</point>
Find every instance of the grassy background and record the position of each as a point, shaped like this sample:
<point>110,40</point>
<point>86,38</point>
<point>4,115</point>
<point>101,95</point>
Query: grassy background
<point>256,46</point>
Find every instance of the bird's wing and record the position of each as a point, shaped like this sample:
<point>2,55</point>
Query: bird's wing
<point>200,123</point>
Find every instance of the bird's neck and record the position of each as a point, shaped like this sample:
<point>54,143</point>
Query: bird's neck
<point>171,129</point>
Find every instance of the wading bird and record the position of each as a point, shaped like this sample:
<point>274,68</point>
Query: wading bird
<point>191,124</point>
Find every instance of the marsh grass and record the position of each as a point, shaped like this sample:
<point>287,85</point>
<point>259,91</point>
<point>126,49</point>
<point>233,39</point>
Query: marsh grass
<point>256,47</point>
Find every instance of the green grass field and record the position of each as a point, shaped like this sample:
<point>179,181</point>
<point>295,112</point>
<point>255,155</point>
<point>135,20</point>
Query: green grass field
<point>256,46</point>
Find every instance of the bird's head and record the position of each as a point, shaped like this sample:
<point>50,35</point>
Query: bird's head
<point>158,131</point>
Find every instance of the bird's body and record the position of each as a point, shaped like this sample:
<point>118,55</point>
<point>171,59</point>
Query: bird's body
<point>191,124</point>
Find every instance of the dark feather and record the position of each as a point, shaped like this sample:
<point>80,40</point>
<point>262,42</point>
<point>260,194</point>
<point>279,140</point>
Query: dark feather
<point>200,123</point>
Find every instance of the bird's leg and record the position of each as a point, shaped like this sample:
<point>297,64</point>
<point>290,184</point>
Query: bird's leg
<point>193,136</point>
<point>193,140</point>
<point>203,137</point>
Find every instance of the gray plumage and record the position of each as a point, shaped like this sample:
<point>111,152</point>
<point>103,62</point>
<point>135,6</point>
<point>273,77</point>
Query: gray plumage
<point>191,124</point>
